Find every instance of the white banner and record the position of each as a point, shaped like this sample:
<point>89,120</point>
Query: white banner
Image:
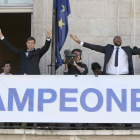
<point>70,99</point>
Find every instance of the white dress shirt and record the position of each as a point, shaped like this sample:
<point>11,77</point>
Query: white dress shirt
<point>2,38</point>
<point>122,67</point>
<point>4,74</point>
<point>27,53</point>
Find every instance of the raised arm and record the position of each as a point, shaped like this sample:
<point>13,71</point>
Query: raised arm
<point>8,45</point>
<point>135,51</point>
<point>97,48</point>
<point>46,47</point>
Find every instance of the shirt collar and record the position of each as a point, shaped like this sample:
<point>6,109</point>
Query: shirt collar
<point>30,50</point>
<point>115,47</point>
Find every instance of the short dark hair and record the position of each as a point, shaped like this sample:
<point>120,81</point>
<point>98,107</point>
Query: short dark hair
<point>78,50</point>
<point>3,63</point>
<point>31,38</point>
<point>115,37</point>
<point>95,66</point>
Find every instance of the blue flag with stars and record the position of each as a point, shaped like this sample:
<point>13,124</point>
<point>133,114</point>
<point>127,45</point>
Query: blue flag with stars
<point>63,10</point>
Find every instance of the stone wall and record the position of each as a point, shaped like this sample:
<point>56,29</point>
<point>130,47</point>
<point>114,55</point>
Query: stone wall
<point>93,21</point>
<point>20,134</point>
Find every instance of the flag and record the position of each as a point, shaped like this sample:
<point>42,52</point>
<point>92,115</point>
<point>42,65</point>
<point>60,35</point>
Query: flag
<point>63,10</point>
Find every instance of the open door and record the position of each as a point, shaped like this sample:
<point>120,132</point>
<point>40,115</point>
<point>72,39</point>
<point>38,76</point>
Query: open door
<point>16,27</point>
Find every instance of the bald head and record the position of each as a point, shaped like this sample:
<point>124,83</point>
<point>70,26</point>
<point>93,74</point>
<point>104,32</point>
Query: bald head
<point>117,41</point>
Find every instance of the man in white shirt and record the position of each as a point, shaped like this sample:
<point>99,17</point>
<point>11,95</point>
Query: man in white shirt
<point>6,68</point>
<point>118,59</point>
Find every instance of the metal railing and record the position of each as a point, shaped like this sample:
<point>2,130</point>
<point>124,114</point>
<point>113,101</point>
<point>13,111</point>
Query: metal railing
<point>56,126</point>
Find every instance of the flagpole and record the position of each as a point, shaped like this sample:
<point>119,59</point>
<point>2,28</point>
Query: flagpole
<point>53,58</point>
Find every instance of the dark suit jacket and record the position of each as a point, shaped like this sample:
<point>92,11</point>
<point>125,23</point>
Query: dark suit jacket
<point>30,65</point>
<point>108,50</point>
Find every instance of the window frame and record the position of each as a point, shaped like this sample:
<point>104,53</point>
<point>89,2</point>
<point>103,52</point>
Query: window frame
<point>17,3</point>
<point>17,8</point>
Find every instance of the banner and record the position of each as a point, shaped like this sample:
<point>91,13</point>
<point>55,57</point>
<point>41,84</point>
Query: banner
<point>70,99</point>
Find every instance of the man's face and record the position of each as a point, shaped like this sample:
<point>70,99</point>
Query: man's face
<point>30,44</point>
<point>97,72</point>
<point>7,68</point>
<point>117,41</point>
<point>78,57</point>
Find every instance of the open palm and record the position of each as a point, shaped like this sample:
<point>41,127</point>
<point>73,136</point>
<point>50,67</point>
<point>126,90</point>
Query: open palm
<point>75,38</point>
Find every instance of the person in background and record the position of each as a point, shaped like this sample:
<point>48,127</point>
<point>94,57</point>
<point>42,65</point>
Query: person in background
<point>78,67</point>
<point>6,66</point>
<point>96,68</point>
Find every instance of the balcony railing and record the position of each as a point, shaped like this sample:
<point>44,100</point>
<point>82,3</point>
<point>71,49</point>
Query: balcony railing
<point>56,126</point>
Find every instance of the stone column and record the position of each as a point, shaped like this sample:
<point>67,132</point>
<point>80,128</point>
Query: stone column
<point>39,29</point>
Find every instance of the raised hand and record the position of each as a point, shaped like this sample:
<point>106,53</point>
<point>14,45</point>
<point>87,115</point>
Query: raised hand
<point>64,60</point>
<point>74,63</point>
<point>1,35</point>
<point>48,34</point>
<point>75,38</point>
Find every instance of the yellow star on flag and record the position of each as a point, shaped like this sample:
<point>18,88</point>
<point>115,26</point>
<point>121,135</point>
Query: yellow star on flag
<point>63,8</point>
<point>60,23</point>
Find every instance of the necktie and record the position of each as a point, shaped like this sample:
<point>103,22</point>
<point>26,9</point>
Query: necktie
<point>116,57</point>
<point>29,53</point>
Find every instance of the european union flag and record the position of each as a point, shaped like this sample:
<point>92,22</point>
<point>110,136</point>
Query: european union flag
<point>63,10</point>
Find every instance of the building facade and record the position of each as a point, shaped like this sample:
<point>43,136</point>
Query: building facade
<point>93,21</point>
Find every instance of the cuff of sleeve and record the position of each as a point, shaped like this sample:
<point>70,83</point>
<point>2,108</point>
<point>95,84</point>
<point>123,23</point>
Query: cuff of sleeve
<point>82,43</point>
<point>65,71</point>
<point>2,38</point>
<point>49,39</point>
<point>83,69</point>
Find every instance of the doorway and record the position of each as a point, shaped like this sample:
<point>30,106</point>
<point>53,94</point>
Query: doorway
<point>16,27</point>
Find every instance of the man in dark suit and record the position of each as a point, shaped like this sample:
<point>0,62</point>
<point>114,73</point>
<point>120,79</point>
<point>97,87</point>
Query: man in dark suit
<point>29,58</point>
<point>118,60</point>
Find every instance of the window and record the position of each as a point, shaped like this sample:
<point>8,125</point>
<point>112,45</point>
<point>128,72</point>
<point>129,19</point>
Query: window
<point>14,1</point>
